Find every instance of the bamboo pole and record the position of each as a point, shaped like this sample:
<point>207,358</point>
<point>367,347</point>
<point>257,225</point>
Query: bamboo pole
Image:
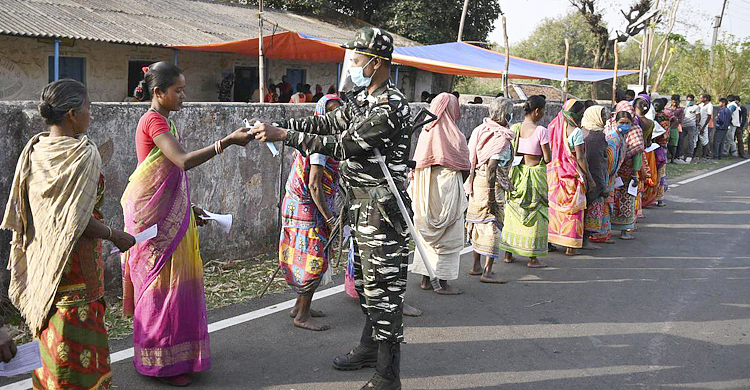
<point>507,59</point>
<point>261,62</point>
<point>614,79</point>
<point>565,80</point>
<point>463,21</point>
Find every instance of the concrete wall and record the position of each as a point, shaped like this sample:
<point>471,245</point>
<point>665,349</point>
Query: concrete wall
<point>242,181</point>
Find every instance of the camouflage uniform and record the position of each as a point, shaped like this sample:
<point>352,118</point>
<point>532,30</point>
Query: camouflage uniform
<point>379,120</point>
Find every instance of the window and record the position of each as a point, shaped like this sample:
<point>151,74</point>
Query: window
<point>245,83</point>
<point>70,68</point>
<point>135,74</point>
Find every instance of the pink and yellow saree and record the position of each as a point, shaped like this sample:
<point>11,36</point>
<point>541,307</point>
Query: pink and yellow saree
<point>163,277</point>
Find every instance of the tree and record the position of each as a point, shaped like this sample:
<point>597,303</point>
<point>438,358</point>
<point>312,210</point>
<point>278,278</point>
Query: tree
<point>692,72</point>
<point>424,21</point>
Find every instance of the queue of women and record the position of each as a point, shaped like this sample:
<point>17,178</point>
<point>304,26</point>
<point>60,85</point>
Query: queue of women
<point>510,190</point>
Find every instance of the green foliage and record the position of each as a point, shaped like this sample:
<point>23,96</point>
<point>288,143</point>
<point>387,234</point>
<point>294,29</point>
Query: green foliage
<point>691,71</point>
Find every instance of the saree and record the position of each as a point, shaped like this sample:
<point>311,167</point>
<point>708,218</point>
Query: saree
<point>525,226</point>
<point>598,213</point>
<point>567,186</point>
<point>304,234</point>
<point>163,276</point>
<point>487,140</point>
<point>74,344</point>
<point>624,208</point>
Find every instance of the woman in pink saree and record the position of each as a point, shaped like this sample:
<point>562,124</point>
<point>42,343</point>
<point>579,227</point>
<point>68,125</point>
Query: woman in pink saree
<point>163,276</point>
<point>567,175</point>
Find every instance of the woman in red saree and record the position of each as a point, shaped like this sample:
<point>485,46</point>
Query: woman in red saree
<point>163,277</point>
<point>567,175</point>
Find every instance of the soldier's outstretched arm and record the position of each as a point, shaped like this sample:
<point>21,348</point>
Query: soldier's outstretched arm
<point>331,123</point>
<point>371,133</point>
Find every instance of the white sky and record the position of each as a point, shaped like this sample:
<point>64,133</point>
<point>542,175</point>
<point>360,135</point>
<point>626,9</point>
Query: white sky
<point>695,17</point>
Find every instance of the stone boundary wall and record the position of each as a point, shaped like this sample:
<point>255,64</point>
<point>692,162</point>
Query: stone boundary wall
<point>242,181</point>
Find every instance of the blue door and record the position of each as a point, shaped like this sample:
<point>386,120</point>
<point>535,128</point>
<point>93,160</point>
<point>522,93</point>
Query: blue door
<point>295,77</point>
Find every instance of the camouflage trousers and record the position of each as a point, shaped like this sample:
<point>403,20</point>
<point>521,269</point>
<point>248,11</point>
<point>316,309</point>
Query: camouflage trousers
<point>381,259</point>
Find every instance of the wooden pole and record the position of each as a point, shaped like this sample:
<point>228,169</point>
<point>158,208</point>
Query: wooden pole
<point>507,60</point>
<point>614,79</point>
<point>565,80</point>
<point>463,20</point>
<point>261,61</point>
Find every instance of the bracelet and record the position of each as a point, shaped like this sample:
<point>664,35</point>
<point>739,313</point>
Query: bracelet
<point>217,147</point>
<point>110,233</point>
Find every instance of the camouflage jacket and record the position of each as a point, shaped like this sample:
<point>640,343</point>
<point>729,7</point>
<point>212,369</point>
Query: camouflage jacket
<point>349,134</point>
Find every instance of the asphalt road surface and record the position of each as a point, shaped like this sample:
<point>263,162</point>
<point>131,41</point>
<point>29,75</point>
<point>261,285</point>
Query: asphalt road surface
<point>670,309</point>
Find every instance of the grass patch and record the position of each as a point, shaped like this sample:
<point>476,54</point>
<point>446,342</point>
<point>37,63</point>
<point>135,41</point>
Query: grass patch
<point>226,282</point>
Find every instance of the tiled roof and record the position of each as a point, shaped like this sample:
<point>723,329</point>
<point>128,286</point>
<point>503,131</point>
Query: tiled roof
<point>162,22</point>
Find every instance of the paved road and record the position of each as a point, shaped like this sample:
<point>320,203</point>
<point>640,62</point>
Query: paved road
<point>668,310</point>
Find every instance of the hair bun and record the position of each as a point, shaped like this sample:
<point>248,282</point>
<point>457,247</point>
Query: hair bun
<point>141,91</point>
<point>46,110</point>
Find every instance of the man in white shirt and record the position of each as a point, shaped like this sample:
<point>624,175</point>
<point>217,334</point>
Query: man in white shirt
<point>690,123</point>
<point>706,131</point>
<point>730,146</point>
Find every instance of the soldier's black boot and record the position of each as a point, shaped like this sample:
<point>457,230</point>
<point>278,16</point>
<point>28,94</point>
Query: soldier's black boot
<point>365,355</point>
<point>388,370</point>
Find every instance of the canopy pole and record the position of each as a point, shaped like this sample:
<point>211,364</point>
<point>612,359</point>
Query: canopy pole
<point>565,80</point>
<point>57,60</point>
<point>463,20</point>
<point>338,75</point>
<point>175,56</point>
<point>614,79</point>
<point>261,61</point>
<point>396,76</point>
<point>507,59</point>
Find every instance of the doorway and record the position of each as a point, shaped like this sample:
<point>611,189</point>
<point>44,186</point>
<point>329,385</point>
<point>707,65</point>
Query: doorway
<point>245,83</point>
<point>295,77</point>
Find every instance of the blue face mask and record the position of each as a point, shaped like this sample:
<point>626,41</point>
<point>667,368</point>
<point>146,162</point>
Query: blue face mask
<point>690,103</point>
<point>358,75</point>
<point>624,128</point>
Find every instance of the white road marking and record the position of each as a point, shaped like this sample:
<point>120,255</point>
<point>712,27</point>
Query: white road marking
<point>707,174</point>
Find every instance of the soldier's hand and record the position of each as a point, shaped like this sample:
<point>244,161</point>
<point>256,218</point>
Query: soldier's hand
<point>266,132</point>
<point>7,347</point>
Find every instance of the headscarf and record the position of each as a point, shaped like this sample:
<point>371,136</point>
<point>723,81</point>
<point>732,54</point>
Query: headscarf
<point>488,139</point>
<point>592,119</point>
<point>634,138</point>
<point>320,107</point>
<point>442,142</point>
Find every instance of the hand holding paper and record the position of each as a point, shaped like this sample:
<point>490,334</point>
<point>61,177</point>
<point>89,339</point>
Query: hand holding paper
<point>653,147</point>
<point>271,146</point>
<point>145,235</point>
<point>224,220</point>
<point>28,358</point>
<point>633,188</point>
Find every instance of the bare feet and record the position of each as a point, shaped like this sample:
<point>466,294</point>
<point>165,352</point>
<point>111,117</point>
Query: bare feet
<point>310,323</point>
<point>626,236</point>
<point>475,272</point>
<point>425,283</point>
<point>551,248</point>
<point>177,381</point>
<point>411,311</point>
<point>477,268</point>
<point>571,252</point>
<point>447,289</point>
<point>313,313</point>
<point>489,277</point>
<point>508,258</point>
<point>534,263</point>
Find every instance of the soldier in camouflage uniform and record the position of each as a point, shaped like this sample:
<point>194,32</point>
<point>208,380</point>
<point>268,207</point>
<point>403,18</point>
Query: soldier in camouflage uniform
<point>377,117</point>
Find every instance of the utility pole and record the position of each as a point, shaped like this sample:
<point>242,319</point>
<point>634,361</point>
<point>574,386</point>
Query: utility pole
<point>261,61</point>
<point>463,20</point>
<point>717,24</point>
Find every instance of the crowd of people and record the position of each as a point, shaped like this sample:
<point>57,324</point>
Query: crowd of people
<point>514,188</point>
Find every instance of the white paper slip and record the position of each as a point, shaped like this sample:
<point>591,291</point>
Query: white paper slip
<point>145,235</point>
<point>652,147</point>
<point>224,220</point>
<point>28,358</point>
<point>633,188</point>
<point>517,160</point>
<point>618,182</point>
<point>271,146</point>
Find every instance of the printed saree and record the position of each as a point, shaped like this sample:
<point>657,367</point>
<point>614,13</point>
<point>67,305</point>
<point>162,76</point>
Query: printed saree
<point>567,186</point>
<point>163,277</point>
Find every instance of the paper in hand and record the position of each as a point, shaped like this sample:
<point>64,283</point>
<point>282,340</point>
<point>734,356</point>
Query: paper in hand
<point>145,235</point>
<point>618,182</point>
<point>224,220</point>
<point>653,147</point>
<point>271,146</point>
<point>517,160</point>
<point>633,188</point>
<point>28,358</point>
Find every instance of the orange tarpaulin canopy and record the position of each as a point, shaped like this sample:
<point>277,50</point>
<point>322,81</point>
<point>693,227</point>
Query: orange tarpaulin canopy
<point>455,58</point>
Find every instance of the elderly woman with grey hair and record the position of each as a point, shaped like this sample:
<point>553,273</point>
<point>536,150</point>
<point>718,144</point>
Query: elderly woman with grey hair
<point>491,157</point>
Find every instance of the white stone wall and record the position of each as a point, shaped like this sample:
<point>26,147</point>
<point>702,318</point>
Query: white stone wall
<point>24,68</point>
